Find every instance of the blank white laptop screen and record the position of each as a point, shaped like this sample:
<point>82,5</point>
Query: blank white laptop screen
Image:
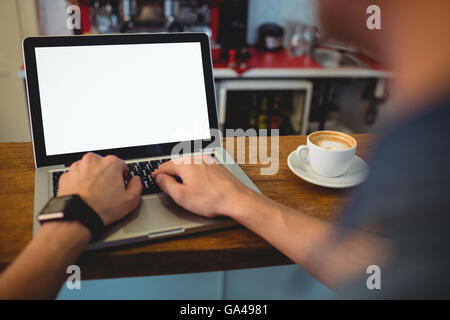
<point>115,96</point>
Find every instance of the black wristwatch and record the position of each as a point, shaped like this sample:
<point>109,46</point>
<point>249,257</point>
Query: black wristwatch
<point>71,208</point>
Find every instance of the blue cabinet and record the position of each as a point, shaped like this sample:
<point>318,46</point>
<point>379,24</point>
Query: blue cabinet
<point>283,282</point>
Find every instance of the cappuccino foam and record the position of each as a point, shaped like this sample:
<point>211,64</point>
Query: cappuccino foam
<point>331,142</point>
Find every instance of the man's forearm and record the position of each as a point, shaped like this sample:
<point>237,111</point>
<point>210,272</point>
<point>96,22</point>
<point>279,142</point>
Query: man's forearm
<point>316,245</point>
<point>40,269</point>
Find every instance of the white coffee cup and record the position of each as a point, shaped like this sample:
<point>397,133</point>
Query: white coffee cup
<point>328,153</point>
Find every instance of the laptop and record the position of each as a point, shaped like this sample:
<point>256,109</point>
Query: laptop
<point>138,97</point>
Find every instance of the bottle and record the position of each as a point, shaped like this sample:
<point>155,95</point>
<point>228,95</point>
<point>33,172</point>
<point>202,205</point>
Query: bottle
<point>253,113</point>
<point>285,119</point>
<point>262,119</point>
<point>275,117</point>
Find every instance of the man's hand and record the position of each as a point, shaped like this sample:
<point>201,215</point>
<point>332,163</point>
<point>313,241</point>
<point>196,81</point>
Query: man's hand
<point>207,188</point>
<point>100,183</point>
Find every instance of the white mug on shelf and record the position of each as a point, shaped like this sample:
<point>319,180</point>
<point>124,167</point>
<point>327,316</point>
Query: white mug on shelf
<point>328,153</point>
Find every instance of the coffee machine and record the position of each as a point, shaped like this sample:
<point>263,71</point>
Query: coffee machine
<point>134,16</point>
<point>232,26</point>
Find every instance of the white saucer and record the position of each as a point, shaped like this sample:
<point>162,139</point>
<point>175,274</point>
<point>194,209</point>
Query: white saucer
<point>356,174</point>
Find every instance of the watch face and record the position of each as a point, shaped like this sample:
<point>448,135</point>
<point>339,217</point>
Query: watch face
<point>57,204</point>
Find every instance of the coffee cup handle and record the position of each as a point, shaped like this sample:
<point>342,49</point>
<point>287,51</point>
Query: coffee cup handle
<point>299,154</point>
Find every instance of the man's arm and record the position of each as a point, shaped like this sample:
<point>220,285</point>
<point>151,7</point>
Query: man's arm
<point>329,254</point>
<point>318,246</point>
<point>40,269</point>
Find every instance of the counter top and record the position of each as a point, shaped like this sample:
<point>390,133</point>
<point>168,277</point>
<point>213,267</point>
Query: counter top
<point>231,248</point>
<point>281,65</point>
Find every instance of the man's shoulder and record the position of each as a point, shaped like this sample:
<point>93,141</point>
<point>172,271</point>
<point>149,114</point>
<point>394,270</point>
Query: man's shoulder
<point>408,170</point>
<point>418,141</point>
<point>408,194</point>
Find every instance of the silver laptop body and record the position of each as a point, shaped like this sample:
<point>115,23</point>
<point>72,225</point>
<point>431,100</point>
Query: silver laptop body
<point>157,216</point>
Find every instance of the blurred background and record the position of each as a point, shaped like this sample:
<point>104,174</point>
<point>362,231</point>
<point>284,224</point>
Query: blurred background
<point>273,68</point>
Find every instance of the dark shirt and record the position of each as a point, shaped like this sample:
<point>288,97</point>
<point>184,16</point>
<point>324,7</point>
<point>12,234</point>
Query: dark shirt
<point>408,194</point>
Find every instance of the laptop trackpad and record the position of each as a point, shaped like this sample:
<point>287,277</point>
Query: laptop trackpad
<point>160,213</point>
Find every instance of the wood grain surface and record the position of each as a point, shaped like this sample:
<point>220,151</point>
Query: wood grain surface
<point>231,248</point>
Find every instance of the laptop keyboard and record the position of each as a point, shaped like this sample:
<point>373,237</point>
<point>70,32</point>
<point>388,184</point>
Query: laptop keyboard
<point>142,169</point>
<point>56,176</point>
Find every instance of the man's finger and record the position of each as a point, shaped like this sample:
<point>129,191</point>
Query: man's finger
<point>116,164</point>
<point>90,156</point>
<point>124,168</point>
<point>168,168</point>
<point>169,185</point>
<point>134,189</point>
<point>74,166</point>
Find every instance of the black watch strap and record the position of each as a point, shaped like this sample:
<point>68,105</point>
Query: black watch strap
<point>72,208</point>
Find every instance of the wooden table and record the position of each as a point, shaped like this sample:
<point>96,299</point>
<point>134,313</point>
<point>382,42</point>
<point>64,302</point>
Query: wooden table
<point>231,248</point>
